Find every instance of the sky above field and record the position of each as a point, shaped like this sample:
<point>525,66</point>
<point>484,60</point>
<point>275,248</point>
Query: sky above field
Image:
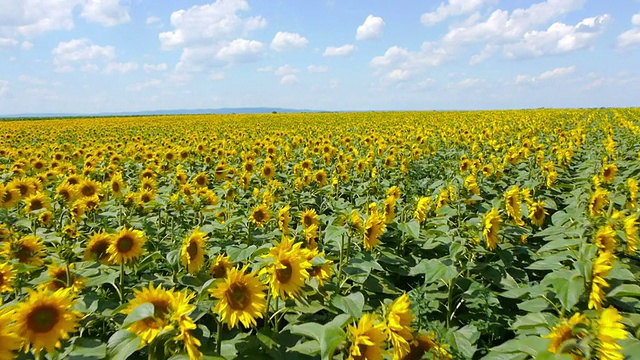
<point>91,56</point>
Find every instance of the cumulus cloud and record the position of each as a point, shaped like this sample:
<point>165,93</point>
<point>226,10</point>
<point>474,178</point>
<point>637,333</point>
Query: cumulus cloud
<point>558,38</point>
<point>284,41</point>
<point>452,8</point>
<point>547,75</point>
<point>286,70</point>
<point>155,67</point>
<point>631,37</point>
<point>4,87</point>
<point>314,69</point>
<point>339,51</point>
<point>240,50</point>
<point>121,68</point>
<point>79,52</point>
<point>289,79</point>
<point>105,12</point>
<point>204,24</point>
<point>6,43</point>
<point>152,20</point>
<point>370,29</point>
<point>400,64</point>
<point>139,86</point>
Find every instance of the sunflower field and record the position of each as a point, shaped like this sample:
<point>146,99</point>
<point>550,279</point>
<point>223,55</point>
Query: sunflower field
<point>417,235</point>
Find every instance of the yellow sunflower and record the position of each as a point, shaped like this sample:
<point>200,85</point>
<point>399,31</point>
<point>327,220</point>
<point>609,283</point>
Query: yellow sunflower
<point>320,177</point>
<point>260,215</point>
<point>491,227</point>
<point>367,339</point>
<point>97,247</point>
<point>608,173</point>
<point>10,340</point>
<point>601,268</point>
<point>163,302</point>
<point>116,185</point>
<point>58,275</point>
<point>631,233</point>
<point>309,217</point>
<point>537,213</point>
<point>36,201</point>
<point>284,218</point>
<point>512,202</point>
<point>394,192</point>
<point>45,318</point>
<point>610,329</point>
<point>241,298</point>
<point>287,270</point>
<point>374,227</point>
<point>192,253</point>
<point>126,246</point>
<point>564,331</point>
<point>9,196</point>
<point>598,202</point>
<point>321,268</point>
<point>6,277</point>
<point>28,250</point>
<point>201,180</point>
<point>422,209</point>
<point>632,198</point>
<point>398,325</point>
<point>427,344</point>
<point>220,266</point>
<point>605,239</point>
<point>180,316</point>
<point>311,237</point>
<point>268,170</point>
<point>389,209</point>
<point>88,187</point>
<point>25,186</point>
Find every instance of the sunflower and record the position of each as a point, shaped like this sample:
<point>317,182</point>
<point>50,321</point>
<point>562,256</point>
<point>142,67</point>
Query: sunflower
<point>9,196</point>
<point>471,184</point>
<point>6,278</point>
<point>601,268</point>
<point>36,201</point>
<point>564,331</point>
<point>598,202</point>
<point>220,266</point>
<point>491,227</point>
<point>88,188</point>
<point>220,171</point>
<point>66,192</point>
<point>398,325</point>
<point>148,184</point>
<point>260,215</point>
<point>116,185</point>
<point>320,177</point>
<point>25,186</point>
<point>201,180</point>
<point>355,221</point>
<point>321,268</point>
<point>288,269</point>
<point>45,218</point>
<point>10,340</point>
<point>389,209</point>
<point>512,202</point>
<point>374,227</point>
<point>242,298</point>
<point>537,213</point>
<point>551,178</point>
<point>284,218</point>
<point>309,217</point>
<point>192,253</point>
<point>608,173</point>
<point>58,275</point>
<point>427,344</point>
<point>97,247</point>
<point>367,339</point>
<point>422,209</point>
<point>28,250</point>
<point>88,203</point>
<point>631,233</point>
<point>180,315</point>
<point>610,329</point>
<point>163,302</point>
<point>45,318</point>
<point>526,196</point>
<point>632,199</point>
<point>311,237</point>
<point>126,246</point>
<point>268,170</point>
<point>605,239</point>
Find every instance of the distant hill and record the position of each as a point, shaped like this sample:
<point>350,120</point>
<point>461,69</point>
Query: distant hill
<point>244,110</point>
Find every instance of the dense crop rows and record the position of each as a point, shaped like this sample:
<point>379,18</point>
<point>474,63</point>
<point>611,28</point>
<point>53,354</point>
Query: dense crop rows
<point>496,235</point>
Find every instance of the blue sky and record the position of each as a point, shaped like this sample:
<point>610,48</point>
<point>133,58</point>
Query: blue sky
<point>90,56</point>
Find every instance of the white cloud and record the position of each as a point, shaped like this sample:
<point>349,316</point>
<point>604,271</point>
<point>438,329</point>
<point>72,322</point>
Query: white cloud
<point>240,50</point>
<point>218,75</point>
<point>6,43</point>
<point>397,75</point>
<point>121,68</point>
<point>370,29</point>
<point>317,68</point>
<point>31,80</point>
<point>558,38</point>
<point>286,70</point>
<point>91,67</point>
<point>155,67</point>
<point>105,12</point>
<point>284,41</point>
<point>468,83</point>
<point>152,20</point>
<point>4,87</point>
<point>80,52</point>
<point>26,45</point>
<point>204,24</point>
<point>289,79</point>
<point>139,86</point>
<point>452,8</point>
<point>344,50</point>
<point>630,38</point>
<point>34,17</point>
<point>486,53</point>
<point>265,69</point>
<point>547,75</point>
<point>400,64</point>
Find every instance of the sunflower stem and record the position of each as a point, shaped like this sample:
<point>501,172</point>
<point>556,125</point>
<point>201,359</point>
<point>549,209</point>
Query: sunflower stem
<point>266,317</point>
<point>339,277</point>
<point>68,274</point>
<point>121,283</point>
<point>219,338</point>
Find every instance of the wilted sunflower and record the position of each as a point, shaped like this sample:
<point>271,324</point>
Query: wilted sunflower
<point>241,298</point>
<point>601,268</point>
<point>6,278</point>
<point>163,302</point>
<point>10,340</point>
<point>610,329</point>
<point>126,246</point>
<point>491,227</point>
<point>28,250</point>
<point>398,325</point>
<point>45,318</point>
<point>219,266</point>
<point>260,215</point>
<point>287,270</point>
<point>367,339</point>
<point>309,217</point>
<point>374,227</point>
<point>192,252</point>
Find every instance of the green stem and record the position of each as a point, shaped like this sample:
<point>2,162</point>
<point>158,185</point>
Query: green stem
<point>121,283</point>
<point>219,338</point>
<point>339,277</point>
<point>68,275</point>
<point>266,315</point>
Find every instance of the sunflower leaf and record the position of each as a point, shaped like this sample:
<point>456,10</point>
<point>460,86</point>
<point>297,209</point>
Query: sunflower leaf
<point>141,312</point>
<point>122,344</point>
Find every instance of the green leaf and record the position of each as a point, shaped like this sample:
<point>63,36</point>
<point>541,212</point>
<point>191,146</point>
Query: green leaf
<point>334,234</point>
<point>351,304</point>
<point>411,228</point>
<point>551,262</point>
<point>122,344</point>
<point>531,320</point>
<point>434,270</point>
<point>141,312</point>
<point>559,244</point>
<point>534,305</point>
<point>329,336</point>
<point>625,290</point>
<point>568,289</point>
<point>88,349</point>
